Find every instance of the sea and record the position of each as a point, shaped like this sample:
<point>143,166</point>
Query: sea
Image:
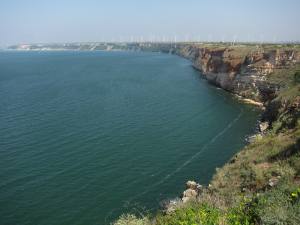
<point>86,136</point>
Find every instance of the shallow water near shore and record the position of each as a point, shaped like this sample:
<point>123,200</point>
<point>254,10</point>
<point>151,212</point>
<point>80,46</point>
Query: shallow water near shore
<point>86,136</point>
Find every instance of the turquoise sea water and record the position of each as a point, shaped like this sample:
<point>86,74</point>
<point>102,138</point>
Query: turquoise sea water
<point>86,136</point>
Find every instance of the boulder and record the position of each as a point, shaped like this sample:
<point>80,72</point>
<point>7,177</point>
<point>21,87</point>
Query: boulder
<point>191,185</point>
<point>263,126</point>
<point>273,181</point>
<point>192,191</point>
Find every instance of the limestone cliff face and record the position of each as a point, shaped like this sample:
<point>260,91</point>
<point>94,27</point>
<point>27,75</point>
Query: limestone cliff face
<point>240,70</point>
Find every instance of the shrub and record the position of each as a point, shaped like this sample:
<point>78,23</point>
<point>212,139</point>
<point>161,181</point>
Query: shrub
<point>295,195</point>
<point>243,214</point>
<point>295,163</point>
<point>297,77</point>
<point>248,176</point>
<point>279,206</point>
<point>192,215</point>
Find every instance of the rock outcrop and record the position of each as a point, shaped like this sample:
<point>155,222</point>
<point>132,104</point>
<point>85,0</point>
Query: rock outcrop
<point>241,70</point>
<point>263,126</point>
<point>192,191</point>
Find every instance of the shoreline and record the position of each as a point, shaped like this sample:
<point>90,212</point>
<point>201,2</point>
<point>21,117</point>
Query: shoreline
<point>249,101</point>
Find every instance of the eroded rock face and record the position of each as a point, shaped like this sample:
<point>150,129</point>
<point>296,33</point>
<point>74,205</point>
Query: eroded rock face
<point>189,194</point>
<point>192,191</point>
<point>240,70</point>
<point>191,185</point>
<point>263,126</point>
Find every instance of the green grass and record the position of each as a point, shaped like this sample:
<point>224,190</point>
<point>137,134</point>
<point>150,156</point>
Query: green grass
<point>192,214</point>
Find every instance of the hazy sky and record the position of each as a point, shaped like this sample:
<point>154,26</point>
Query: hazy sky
<point>36,21</point>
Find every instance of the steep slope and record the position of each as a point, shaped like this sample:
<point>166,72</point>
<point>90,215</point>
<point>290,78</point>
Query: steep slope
<point>244,70</point>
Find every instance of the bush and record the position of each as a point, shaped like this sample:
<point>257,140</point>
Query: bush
<point>295,163</point>
<point>279,206</point>
<point>248,176</point>
<point>243,214</point>
<point>192,215</point>
<point>297,77</point>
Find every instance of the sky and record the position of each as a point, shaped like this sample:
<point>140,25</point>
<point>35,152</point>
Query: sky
<point>48,21</point>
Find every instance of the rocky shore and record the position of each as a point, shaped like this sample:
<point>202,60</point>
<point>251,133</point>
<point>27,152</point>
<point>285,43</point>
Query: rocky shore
<point>241,70</point>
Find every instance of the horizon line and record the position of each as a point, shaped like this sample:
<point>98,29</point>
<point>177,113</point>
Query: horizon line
<point>157,42</point>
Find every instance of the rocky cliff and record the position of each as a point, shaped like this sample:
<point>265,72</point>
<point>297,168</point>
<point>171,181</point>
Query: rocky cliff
<point>241,70</point>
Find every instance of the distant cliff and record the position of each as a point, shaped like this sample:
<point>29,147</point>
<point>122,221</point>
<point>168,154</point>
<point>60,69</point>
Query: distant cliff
<point>241,70</point>
<point>252,71</point>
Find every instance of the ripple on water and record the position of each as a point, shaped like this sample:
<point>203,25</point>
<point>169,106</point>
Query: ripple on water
<point>84,139</point>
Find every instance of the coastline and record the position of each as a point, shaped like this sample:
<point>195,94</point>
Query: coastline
<point>250,180</point>
<point>250,101</point>
<point>269,162</point>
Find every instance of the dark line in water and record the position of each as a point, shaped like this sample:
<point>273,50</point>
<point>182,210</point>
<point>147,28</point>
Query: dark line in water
<point>127,202</point>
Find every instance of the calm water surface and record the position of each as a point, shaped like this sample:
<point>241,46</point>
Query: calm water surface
<point>86,136</point>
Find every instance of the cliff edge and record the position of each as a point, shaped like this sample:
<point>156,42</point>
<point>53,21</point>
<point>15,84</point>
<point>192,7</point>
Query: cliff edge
<point>243,70</point>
